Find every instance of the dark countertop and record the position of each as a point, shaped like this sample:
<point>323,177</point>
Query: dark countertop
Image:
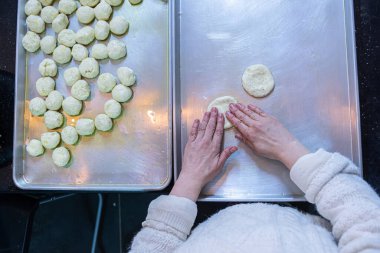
<point>367,16</point>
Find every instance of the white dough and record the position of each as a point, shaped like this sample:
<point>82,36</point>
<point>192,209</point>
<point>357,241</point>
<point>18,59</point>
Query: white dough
<point>32,7</point>
<point>114,2</point>
<point>66,37</point>
<point>50,140</point>
<point>60,23</point>
<point>258,80</point>
<point>80,90</point>
<point>48,44</point>
<point>45,85</point>
<point>119,25</point>
<point>67,6</point>
<point>91,3</point>
<point>35,148</point>
<point>69,135</point>
<point>46,2</point>
<point>31,42</point>
<point>103,122</point>
<point>71,75</point>
<point>61,156</point>
<point>121,93</point>
<point>48,68</point>
<point>126,76</point>
<point>85,126</point>
<point>106,82</point>
<point>134,2</point>
<point>112,108</point>
<point>48,14</point>
<point>54,100</point>
<point>72,106</point>
<point>35,24</point>
<point>99,51</point>
<point>89,68</point>
<point>79,52</point>
<point>102,30</point>
<point>85,14</point>
<point>53,119</point>
<point>222,104</point>
<point>85,35</point>
<point>62,54</point>
<point>116,49</point>
<point>37,106</point>
<point>103,11</point>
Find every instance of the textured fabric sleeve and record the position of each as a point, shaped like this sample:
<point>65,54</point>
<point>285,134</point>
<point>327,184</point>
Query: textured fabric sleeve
<point>332,182</point>
<point>167,225</point>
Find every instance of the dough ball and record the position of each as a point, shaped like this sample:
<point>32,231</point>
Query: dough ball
<point>85,14</point>
<point>60,23</point>
<point>112,108</point>
<point>222,104</point>
<point>35,24</point>
<point>134,2</point>
<point>50,140</point>
<point>114,2</point>
<point>67,6</point>
<point>72,106</point>
<point>103,122</point>
<point>119,25</point>
<point>103,11</point>
<point>48,44</point>
<point>31,42</point>
<point>48,68</point>
<point>45,85</point>
<point>46,2</point>
<point>61,156</point>
<point>71,75</point>
<point>89,68</point>
<point>53,119</point>
<point>85,126</point>
<point>121,93</point>
<point>48,14</point>
<point>54,100</point>
<point>69,135</point>
<point>79,52</point>
<point>258,81</point>
<point>80,90</point>
<point>32,7</point>
<point>106,82</point>
<point>126,76</point>
<point>35,148</point>
<point>99,51</point>
<point>91,3</point>
<point>66,37</point>
<point>62,54</point>
<point>102,30</point>
<point>85,35</point>
<point>37,106</point>
<point>116,49</point>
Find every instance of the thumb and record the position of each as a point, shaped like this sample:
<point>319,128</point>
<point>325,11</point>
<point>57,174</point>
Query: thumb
<point>226,153</point>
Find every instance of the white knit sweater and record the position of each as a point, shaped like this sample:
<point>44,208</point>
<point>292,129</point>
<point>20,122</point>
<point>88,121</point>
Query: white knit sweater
<point>330,181</point>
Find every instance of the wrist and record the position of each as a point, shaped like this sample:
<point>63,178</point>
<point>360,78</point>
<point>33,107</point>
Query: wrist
<point>187,188</point>
<point>291,153</point>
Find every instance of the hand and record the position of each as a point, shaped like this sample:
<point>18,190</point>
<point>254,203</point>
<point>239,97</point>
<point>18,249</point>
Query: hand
<point>203,158</point>
<point>264,134</point>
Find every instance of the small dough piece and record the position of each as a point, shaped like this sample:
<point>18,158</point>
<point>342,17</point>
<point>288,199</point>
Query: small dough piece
<point>116,49</point>
<point>50,140</point>
<point>71,75</point>
<point>258,80</point>
<point>85,126</point>
<point>80,90</point>
<point>99,51</point>
<point>119,25</point>
<point>53,119</point>
<point>85,35</point>
<point>54,100</point>
<point>112,108</point>
<point>37,106</point>
<point>48,14</point>
<point>79,52</point>
<point>85,14</point>
<point>222,104</point>
<point>102,30</point>
<point>48,44</point>
<point>35,24</point>
<point>103,11</point>
<point>134,2</point>
<point>32,7</point>
<point>126,76</point>
<point>89,68</point>
<point>69,135</point>
<point>106,82</point>
<point>35,148</point>
<point>48,68</point>
<point>121,93</point>
<point>46,2</point>
<point>66,37</point>
<point>31,42</point>
<point>62,54</point>
<point>61,156</point>
<point>114,2</point>
<point>90,3</point>
<point>45,85</point>
<point>72,106</point>
<point>60,22</point>
<point>103,122</point>
<point>67,6</point>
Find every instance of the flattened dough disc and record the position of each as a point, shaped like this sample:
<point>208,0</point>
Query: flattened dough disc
<point>222,103</point>
<point>258,80</point>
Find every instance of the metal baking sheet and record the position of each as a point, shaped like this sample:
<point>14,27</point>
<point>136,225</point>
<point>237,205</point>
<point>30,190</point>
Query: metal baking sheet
<point>310,48</point>
<point>137,154</point>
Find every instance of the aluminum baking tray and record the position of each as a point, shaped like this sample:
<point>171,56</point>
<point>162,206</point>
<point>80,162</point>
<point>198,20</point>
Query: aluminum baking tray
<point>137,154</point>
<point>309,47</point>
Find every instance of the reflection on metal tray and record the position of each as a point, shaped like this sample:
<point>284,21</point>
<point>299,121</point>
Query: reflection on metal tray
<point>310,48</point>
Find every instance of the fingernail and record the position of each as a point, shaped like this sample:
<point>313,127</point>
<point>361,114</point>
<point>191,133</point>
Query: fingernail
<point>241,106</point>
<point>232,106</point>
<point>233,149</point>
<point>228,113</point>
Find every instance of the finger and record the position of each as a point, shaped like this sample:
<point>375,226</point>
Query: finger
<point>194,130</point>
<point>219,131</point>
<point>203,125</point>
<point>241,115</point>
<point>226,153</point>
<point>247,111</point>
<point>237,123</point>
<point>240,137</point>
<point>257,110</point>
<point>210,128</point>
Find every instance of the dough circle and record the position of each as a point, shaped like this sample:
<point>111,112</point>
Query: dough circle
<point>89,68</point>
<point>50,140</point>
<point>46,2</point>
<point>35,148</point>
<point>53,119</point>
<point>69,135</point>
<point>72,106</point>
<point>258,81</point>
<point>48,14</point>
<point>67,6</point>
<point>85,35</point>
<point>134,2</point>
<point>31,42</point>
<point>60,23</point>
<point>54,100</point>
<point>80,90</point>
<point>37,106</point>
<point>62,54</point>
<point>112,108</point>
<point>71,75</point>
<point>48,68</point>
<point>61,156</point>
<point>35,24</point>
<point>99,51</point>
<point>85,14</point>
<point>103,11</point>
<point>85,126</point>
<point>121,93</point>
<point>79,52</point>
<point>103,122</point>
<point>48,44</point>
<point>66,37</point>
<point>90,3</point>
<point>32,7</point>
<point>102,30</point>
<point>106,82</point>
<point>116,49</point>
<point>45,85</point>
<point>126,76</point>
<point>222,104</point>
<point>119,25</point>
<point>114,2</point>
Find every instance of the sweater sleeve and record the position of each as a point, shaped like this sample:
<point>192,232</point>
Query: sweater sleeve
<point>167,225</point>
<point>332,182</point>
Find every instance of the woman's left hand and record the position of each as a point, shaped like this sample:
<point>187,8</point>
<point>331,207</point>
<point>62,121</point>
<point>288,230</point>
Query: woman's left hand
<point>203,157</point>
